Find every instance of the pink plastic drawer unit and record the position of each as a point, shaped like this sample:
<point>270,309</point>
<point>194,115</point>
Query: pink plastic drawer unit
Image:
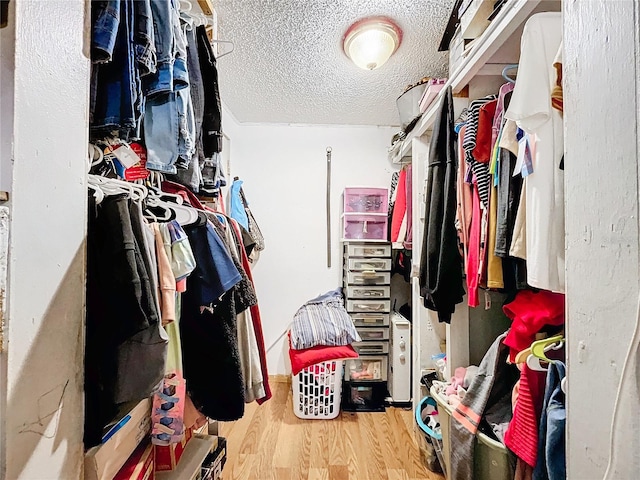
<point>365,227</point>
<point>366,200</point>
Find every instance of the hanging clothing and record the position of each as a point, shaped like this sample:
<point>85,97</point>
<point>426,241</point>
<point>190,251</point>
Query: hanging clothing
<point>209,328</point>
<point>409,195</point>
<point>531,108</point>
<point>551,463</point>
<point>464,193</point>
<point>398,233</point>
<point>238,212</point>
<point>255,318</point>
<point>125,344</point>
<point>473,264</point>
<point>441,268</point>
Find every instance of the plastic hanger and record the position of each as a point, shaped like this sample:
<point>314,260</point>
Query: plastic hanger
<point>506,69</point>
<point>539,347</point>
<point>224,42</point>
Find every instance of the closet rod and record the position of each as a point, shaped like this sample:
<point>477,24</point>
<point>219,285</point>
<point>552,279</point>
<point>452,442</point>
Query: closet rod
<point>329,207</point>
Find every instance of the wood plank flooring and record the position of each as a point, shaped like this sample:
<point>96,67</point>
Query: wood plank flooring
<point>271,443</point>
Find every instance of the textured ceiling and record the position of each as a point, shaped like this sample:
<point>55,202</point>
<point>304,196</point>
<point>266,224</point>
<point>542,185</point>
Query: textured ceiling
<point>288,65</point>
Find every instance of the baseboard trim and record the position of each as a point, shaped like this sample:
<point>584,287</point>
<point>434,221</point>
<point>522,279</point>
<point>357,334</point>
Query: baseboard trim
<point>280,378</point>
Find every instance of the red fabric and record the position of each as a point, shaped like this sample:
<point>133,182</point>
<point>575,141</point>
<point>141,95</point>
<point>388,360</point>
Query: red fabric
<point>301,359</point>
<point>530,312</point>
<point>473,260</point>
<point>400,207</point>
<point>522,434</point>
<point>256,320</point>
<point>184,192</point>
<point>482,150</point>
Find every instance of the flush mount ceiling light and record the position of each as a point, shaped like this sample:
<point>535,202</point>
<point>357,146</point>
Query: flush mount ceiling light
<point>370,42</point>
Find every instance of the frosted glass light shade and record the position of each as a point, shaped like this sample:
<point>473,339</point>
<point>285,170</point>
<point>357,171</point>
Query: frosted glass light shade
<point>371,42</point>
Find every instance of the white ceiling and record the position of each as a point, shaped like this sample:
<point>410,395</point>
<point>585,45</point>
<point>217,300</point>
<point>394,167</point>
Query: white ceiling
<point>288,65</point>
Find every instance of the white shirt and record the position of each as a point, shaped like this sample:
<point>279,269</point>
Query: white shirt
<point>531,109</point>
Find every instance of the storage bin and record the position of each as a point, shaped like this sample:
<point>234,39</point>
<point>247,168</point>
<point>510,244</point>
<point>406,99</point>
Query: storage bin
<point>375,306</point>
<point>491,458</point>
<point>366,200</point>
<point>373,334</point>
<point>368,278</point>
<point>367,368</point>
<point>365,227</point>
<point>365,291</point>
<point>355,250</point>
<point>364,396</point>
<point>370,319</point>
<point>431,448</point>
<point>317,390</point>
<point>368,264</point>
<point>371,348</point>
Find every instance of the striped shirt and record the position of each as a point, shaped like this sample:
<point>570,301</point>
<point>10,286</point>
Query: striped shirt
<point>479,170</point>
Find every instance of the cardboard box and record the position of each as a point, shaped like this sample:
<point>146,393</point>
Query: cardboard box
<point>168,457</point>
<point>475,19</point>
<point>140,465</point>
<point>214,463</point>
<point>103,461</point>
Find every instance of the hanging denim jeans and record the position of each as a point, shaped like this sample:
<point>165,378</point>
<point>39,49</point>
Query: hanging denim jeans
<point>168,120</point>
<point>551,463</point>
<point>116,98</point>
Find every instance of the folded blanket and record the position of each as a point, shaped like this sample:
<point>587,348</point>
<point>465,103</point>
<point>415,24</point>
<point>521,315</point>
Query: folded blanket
<point>323,321</point>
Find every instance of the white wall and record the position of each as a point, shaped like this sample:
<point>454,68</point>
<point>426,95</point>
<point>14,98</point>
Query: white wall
<point>601,143</point>
<point>284,170</point>
<point>43,406</point>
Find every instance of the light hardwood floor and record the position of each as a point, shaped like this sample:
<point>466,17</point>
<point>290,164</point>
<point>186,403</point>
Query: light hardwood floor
<point>271,443</point>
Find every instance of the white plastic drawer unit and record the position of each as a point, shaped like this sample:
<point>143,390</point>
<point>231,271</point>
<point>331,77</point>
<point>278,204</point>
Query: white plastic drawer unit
<point>368,291</point>
<point>370,319</point>
<point>370,264</point>
<point>373,334</point>
<point>371,348</point>
<point>365,368</point>
<point>375,306</point>
<point>354,250</point>
<point>368,278</point>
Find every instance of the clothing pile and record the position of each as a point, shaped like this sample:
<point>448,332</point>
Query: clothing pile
<point>321,331</point>
<point>172,311</point>
<point>154,80</point>
<point>522,406</point>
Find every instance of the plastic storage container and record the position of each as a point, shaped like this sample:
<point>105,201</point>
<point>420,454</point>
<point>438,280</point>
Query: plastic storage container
<point>367,264</point>
<point>369,291</point>
<point>370,319</point>
<point>369,368</point>
<point>373,306</point>
<point>317,391</point>
<point>373,334</point>
<point>355,250</point>
<point>491,458</point>
<point>368,278</point>
<point>366,200</point>
<point>365,227</point>
<point>364,396</point>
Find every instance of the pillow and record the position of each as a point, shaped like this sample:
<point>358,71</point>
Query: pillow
<point>323,321</point>
<point>301,359</point>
